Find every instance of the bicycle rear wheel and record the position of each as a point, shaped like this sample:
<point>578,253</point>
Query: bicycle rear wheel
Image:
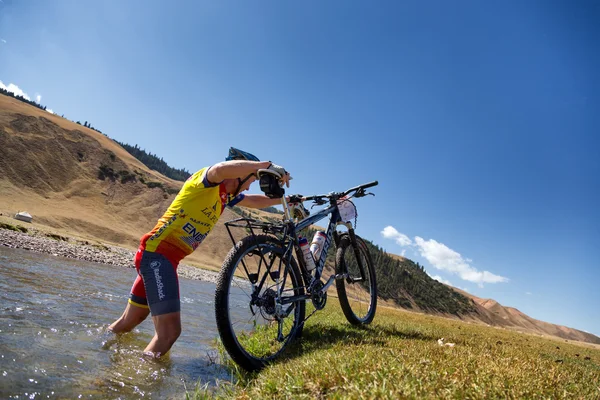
<point>358,298</point>
<point>253,324</point>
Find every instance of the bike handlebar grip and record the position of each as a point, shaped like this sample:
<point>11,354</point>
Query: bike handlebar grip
<point>354,189</point>
<point>364,186</point>
<point>370,184</point>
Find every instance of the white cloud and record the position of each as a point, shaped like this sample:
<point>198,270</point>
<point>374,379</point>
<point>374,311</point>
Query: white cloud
<point>443,258</point>
<point>528,293</point>
<point>3,41</point>
<point>38,98</point>
<point>389,232</point>
<point>14,89</point>
<point>50,110</point>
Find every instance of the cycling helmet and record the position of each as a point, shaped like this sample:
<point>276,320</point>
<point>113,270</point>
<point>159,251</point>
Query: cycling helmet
<point>237,154</point>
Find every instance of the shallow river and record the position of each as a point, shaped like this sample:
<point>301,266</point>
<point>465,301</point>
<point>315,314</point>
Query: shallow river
<point>53,340</point>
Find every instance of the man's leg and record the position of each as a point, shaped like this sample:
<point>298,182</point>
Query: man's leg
<point>137,308</point>
<point>132,317</point>
<point>162,292</point>
<point>168,329</point>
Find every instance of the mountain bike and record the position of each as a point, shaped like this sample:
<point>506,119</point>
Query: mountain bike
<point>265,281</point>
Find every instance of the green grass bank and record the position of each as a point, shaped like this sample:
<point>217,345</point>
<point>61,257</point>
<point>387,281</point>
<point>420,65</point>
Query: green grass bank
<point>399,356</point>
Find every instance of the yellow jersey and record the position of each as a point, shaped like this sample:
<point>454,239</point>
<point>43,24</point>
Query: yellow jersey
<point>190,217</point>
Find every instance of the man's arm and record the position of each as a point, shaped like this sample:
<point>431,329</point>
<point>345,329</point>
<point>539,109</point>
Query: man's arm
<point>234,169</point>
<point>258,201</point>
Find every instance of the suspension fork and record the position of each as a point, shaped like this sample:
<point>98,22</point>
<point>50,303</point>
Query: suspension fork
<point>359,260</point>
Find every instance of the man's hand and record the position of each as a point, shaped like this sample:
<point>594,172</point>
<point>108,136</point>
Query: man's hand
<point>285,176</point>
<point>295,198</point>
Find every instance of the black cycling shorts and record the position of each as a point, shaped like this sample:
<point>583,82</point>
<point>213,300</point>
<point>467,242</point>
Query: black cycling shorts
<point>157,285</point>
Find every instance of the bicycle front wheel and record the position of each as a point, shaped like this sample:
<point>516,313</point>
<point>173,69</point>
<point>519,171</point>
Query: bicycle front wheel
<point>357,294</point>
<point>254,320</point>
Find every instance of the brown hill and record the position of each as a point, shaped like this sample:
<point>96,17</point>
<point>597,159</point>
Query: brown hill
<point>494,313</point>
<point>77,182</point>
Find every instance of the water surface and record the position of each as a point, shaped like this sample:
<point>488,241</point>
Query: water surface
<point>53,340</point>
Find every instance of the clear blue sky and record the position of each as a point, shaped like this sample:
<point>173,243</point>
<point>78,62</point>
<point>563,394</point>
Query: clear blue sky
<point>479,119</point>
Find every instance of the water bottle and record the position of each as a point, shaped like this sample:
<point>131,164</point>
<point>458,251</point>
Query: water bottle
<point>308,257</point>
<point>317,244</point>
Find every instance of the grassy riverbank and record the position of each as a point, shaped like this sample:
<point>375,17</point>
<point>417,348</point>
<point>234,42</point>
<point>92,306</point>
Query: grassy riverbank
<point>399,356</point>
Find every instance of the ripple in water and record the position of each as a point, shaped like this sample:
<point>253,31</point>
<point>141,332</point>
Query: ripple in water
<point>53,339</point>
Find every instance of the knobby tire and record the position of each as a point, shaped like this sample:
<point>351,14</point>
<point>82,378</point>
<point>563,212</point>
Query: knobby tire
<point>346,262</point>
<point>243,250</point>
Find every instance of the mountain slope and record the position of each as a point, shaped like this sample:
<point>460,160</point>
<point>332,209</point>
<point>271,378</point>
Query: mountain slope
<point>79,182</point>
<point>496,314</point>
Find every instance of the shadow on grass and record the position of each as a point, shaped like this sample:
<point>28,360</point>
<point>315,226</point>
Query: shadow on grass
<point>318,336</point>
<point>321,337</point>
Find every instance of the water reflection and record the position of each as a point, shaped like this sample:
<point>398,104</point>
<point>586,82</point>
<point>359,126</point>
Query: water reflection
<point>53,341</point>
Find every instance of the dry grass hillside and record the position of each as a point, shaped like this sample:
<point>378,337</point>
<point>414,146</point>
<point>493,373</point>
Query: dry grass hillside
<point>77,182</point>
<point>51,168</point>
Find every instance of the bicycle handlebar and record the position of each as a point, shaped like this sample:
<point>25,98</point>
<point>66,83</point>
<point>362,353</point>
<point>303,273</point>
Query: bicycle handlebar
<point>338,195</point>
<point>363,186</point>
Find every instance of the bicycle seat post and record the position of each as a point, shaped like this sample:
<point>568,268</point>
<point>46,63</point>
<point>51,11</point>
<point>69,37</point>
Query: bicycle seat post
<point>286,209</point>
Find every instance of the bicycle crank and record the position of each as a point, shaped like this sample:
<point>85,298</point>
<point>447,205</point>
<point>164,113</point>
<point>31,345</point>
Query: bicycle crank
<point>318,295</point>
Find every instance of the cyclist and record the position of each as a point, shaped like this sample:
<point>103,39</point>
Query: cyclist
<point>188,220</point>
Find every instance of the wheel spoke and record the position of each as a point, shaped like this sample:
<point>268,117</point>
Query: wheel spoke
<point>253,335</point>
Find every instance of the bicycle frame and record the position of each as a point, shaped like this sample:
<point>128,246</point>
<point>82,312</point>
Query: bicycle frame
<point>333,222</point>
<point>289,239</point>
<point>265,276</point>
